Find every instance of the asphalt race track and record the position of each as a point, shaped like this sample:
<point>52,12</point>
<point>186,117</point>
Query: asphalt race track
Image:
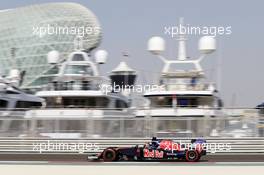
<point>81,158</point>
<point>121,168</point>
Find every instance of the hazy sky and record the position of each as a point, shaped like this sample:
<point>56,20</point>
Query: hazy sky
<point>127,26</point>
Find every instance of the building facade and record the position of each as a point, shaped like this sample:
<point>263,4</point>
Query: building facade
<point>28,33</point>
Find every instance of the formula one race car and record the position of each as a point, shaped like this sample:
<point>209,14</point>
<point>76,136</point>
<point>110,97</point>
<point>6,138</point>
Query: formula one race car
<point>157,149</point>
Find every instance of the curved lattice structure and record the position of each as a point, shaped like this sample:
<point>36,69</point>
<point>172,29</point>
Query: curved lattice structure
<point>22,46</point>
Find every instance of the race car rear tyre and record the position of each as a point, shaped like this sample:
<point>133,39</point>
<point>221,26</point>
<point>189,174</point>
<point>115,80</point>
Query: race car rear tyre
<point>192,156</point>
<point>109,155</point>
<point>193,140</point>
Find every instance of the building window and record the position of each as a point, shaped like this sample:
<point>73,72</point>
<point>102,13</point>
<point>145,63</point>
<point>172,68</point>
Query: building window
<point>3,104</point>
<point>120,104</point>
<point>28,104</point>
<point>77,57</point>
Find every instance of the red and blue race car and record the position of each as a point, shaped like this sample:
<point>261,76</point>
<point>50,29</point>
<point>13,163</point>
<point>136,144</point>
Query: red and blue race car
<point>157,149</point>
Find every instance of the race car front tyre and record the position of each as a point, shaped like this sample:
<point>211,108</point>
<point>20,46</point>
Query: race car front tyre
<point>109,155</point>
<point>192,156</point>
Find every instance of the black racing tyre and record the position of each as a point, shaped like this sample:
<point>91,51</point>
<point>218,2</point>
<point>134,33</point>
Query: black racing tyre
<point>109,155</point>
<point>193,140</point>
<point>192,156</point>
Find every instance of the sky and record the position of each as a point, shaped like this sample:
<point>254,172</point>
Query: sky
<point>236,66</point>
